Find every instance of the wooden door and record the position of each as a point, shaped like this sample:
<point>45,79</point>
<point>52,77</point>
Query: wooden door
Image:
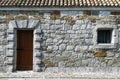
<point>24,49</point>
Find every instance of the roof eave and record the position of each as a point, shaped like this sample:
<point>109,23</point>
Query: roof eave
<point>59,8</point>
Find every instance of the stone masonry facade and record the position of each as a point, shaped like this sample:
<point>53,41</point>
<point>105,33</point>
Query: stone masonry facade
<point>61,41</point>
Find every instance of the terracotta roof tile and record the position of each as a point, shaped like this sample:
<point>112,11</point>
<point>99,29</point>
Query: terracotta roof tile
<point>59,3</point>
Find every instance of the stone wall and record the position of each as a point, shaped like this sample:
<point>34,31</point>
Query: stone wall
<point>3,43</point>
<point>66,41</point>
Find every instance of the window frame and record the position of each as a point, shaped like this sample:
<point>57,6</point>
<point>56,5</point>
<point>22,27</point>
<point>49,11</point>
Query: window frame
<point>105,33</point>
<point>114,36</point>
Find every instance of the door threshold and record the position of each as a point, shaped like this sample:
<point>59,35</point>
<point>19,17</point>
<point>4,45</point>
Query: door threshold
<point>21,71</point>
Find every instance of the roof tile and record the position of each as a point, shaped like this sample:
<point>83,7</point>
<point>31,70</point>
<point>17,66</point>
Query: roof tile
<point>59,3</point>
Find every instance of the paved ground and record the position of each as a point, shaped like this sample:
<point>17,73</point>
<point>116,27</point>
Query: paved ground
<point>59,76</point>
<point>53,79</point>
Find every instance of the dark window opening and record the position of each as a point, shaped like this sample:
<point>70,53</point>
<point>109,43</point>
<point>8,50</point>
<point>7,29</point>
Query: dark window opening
<point>104,36</point>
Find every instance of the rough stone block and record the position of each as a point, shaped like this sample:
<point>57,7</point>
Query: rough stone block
<point>84,47</point>
<point>37,46</point>
<point>36,23</point>
<point>91,48</point>
<point>61,64</point>
<point>50,48</point>
<point>10,46</point>
<point>70,48</point>
<point>76,27</point>
<point>9,60</point>
<point>36,68</point>
<point>67,54</point>
<point>47,15</point>
<point>62,47</point>
<point>57,22</point>
<point>83,26</point>
<point>12,25</point>
<point>10,68</point>
<point>55,48</point>
<point>38,54</point>
<point>37,39</point>
<point>32,23</point>
<point>77,48</point>
<point>85,62</point>
<point>10,53</point>
<point>110,54</point>
<point>110,62</point>
<point>117,64</point>
<point>10,31</point>
<point>45,26</point>
<point>37,31</point>
<point>49,40</point>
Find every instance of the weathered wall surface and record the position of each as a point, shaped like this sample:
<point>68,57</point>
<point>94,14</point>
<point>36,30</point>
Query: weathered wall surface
<point>67,41</point>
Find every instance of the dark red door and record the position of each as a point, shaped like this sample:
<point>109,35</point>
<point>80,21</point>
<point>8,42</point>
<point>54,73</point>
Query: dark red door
<point>24,49</point>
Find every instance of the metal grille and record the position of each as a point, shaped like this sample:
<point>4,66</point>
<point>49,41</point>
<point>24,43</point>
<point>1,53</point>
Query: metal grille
<point>104,36</point>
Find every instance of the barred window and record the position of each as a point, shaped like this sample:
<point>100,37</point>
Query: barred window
<point>104,36</point>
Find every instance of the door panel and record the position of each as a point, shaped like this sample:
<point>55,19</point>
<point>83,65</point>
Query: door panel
<point>24,49</point>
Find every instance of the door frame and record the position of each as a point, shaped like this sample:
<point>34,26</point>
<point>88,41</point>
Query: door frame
<point>16,29</point>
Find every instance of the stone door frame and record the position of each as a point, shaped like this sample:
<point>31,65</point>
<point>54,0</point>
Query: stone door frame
<point>12,44</point>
